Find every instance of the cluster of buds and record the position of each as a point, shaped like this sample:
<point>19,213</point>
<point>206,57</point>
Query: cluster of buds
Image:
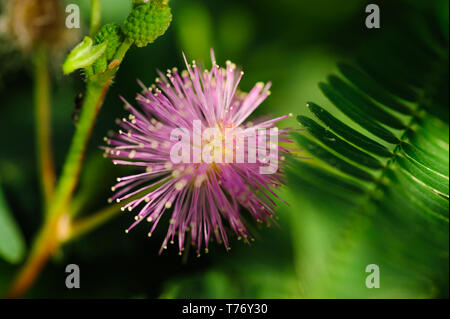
<point>147,20</point>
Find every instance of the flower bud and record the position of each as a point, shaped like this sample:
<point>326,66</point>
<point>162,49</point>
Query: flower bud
<point>111,34</point>
<point>136,3</point>
<point>147,21</point>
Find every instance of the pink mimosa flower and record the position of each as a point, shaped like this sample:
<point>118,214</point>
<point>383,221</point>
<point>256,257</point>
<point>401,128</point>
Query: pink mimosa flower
<point>205,199</point>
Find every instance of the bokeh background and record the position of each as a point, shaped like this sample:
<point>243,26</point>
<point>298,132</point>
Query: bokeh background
<point>293,43</point>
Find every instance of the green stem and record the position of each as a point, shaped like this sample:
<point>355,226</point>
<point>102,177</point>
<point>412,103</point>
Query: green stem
<point>42,125</point>
<point>95,17</point>
<point>93,100</point>
<point>54,230</point>
<point>95,93</point>
<point>93,221</point>
<point>86,224</point>
<point>122,50</point>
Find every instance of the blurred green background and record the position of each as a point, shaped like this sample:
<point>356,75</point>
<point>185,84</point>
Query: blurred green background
<point>295,44</point>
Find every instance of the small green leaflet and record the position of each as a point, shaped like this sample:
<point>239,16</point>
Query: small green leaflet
<point>12,244</point>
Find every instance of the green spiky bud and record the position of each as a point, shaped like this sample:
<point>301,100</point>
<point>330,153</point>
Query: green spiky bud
<point>147,21</point>
<point>112,34</point>
<point>88,72</point>
<point>100,64</point>
<point>135,3</point>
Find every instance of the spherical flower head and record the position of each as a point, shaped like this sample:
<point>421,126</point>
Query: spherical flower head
<point>147,21</point>
<point>201,162</point>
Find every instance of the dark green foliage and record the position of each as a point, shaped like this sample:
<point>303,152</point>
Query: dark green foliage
<point>335,161</point>
<point>348,133</point>
<point>357,114</point>
<point>147,21</point>
<point>338,144</point>
<point>395,148</point>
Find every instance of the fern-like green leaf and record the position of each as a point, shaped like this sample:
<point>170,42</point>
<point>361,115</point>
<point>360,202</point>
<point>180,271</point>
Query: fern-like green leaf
<point>380,175</point>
